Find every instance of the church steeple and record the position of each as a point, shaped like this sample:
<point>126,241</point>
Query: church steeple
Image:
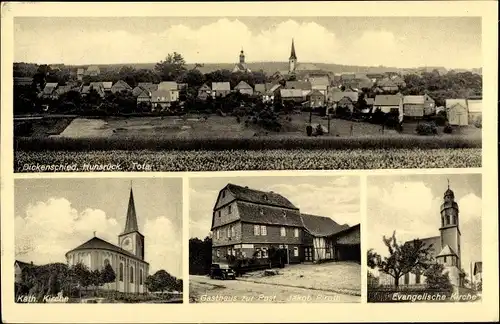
<point>450,230</point>
<point>242,57</point>
<point>131,222</point>
<point>292,53</point>
<point>292,61</point>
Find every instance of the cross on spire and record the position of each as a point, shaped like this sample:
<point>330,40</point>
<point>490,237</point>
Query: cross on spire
<point>94,233</point>
<point>448,183</point>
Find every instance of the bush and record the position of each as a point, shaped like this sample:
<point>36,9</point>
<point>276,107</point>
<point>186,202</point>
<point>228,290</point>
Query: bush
<point>448,129</point>
<point>441,118</point>
<point>309,130</point>
<point>238,120</point>
<point>478,122</point>
<point>319,130</point>
<point>426,129</point>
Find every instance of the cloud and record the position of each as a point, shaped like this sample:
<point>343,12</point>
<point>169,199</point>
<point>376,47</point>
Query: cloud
<point>412,210</point>
<point>49,229</point>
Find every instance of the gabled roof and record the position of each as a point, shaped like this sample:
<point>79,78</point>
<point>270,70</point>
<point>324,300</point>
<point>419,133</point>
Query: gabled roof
<point>23,265</point>
<point>352,95</point>
<point>96,243</point>
<point>321,226</point>
<point>387,100</point>
<point>260,87</point>
<point>167,85</point>
<point>435,242</point>
<point>452,102</point>
<point>137,91</point>
<point>80,71</point>
<point>63,89</point>
<point>204,87</point>
<point>291,93</point>
<point>319,80</point>
<point>347,76</point>
<point>107,85</point>
<point>121,83</point>
<point>315,93</point>
<point>259,196</point>
<point>93,68</point>
<point>144,94</point>
<point>85,89</point>
<point>221,86</point>
<point>446,251</point>
<point>298,85</point>
<point>478,267</point>
<point>416,99</point>
<point>242,85</point>
<point>159,93</point>
<point>260,214</point>
<point>49,88</point>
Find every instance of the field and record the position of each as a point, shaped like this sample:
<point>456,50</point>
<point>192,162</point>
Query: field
<point>192,143</point>
<point>149,160</point>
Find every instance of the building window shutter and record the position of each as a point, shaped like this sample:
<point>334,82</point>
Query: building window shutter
<point>263,230</point>
<point>283,231</point>
<point>228,232</point>
<point>256,230</point>
<point>233,231</point>
<point>296,232</point>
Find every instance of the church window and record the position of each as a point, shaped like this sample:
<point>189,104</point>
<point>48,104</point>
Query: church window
<point>121,272</point>
<point>223,193</point>
<point>229,209</point>
<point>445,259</point>
<point>106,262</point>
<point>417,278</point>
<point>218,213</point>
<point>140,277</point>
<point>131,275</point>
<point>407,279</point>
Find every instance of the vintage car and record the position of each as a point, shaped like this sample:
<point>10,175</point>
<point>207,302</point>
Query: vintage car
<point>222,271</point>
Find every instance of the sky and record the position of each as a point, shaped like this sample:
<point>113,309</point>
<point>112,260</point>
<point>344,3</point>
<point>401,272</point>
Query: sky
<point>335,197</point>
<point>54,216</point>
<point>410,205</point>
<point>403,42</point>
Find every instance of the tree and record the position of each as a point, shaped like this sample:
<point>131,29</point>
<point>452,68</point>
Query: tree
<point>194,78</point>
<point>161,281</point>
<point>200,256</point>
<point>403,258</point>
<point>436,279</point>
<point>95,279</point>
<point>107,275</point>
<point>172,67</point>
<point>82,275</point>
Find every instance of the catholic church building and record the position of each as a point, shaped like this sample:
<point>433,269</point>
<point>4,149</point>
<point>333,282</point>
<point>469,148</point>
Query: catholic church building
<point>445,247</point>
<point>126,258</point>
<point>241,66</point>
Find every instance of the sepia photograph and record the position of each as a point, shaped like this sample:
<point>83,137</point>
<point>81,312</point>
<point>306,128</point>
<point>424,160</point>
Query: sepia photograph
<point>424,234</point>
<point>275,240</point>
<point>223,93</point>
<point>74,243</point>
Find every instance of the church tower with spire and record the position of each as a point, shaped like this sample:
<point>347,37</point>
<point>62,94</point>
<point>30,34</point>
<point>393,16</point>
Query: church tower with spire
<point>131,239</point>
<point>450,255</point>
<point>292,61</point>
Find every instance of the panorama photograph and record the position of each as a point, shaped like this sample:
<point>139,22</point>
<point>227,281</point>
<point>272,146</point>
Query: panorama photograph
<point>266,93</point>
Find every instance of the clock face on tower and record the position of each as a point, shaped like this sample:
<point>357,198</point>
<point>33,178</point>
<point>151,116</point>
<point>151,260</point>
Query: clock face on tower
<point>127,244</point>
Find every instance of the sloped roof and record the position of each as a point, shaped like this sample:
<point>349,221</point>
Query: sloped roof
<point>319,80</point>
<point>302,85</point>
<point>435,241</point>
<point>348,76</point>
<point>204,87</point>
<point>167,85</point>
<point>370,101</point>
<point>95,85</point>
<point>315,92</point>
<point>387,100</point>
<point>144,93</point>
<point>475,105</point>
<point>131,222</point>
<point>80,71</point>
<point>23,265</point>
<point>221,86</point>
<point>137,91</point>
<point>93,68</point>
<point>63,89</point>
<point>352,95</point>
<point>259,214</point>
<point>291,93</point>
<point>85,89</point>
<point>242,67</point>
<point>413,100</point>
<point>452,102</point>
<point>107,85</point>
<point>273,89</point>
<point>447,250</point>
<point>121,83</point>
<point>259,196</point>
<point>49,88</point>
<point>321,226</point>
<point>96,243</point>
<point>159,93</point>
<point>260,87</point>
<point>242,85</point>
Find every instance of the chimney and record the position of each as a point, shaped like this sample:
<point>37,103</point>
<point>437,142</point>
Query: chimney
<point>31,262</point>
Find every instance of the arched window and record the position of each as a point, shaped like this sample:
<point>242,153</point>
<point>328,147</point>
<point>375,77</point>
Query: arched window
<point>131,275</point>
<point>121,271</point>
<point>106,262</point>
<point>140,277</point>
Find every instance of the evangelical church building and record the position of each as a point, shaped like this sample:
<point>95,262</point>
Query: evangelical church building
<point>445,247</point>
<point>126,258</point>
<point>241,66</point>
